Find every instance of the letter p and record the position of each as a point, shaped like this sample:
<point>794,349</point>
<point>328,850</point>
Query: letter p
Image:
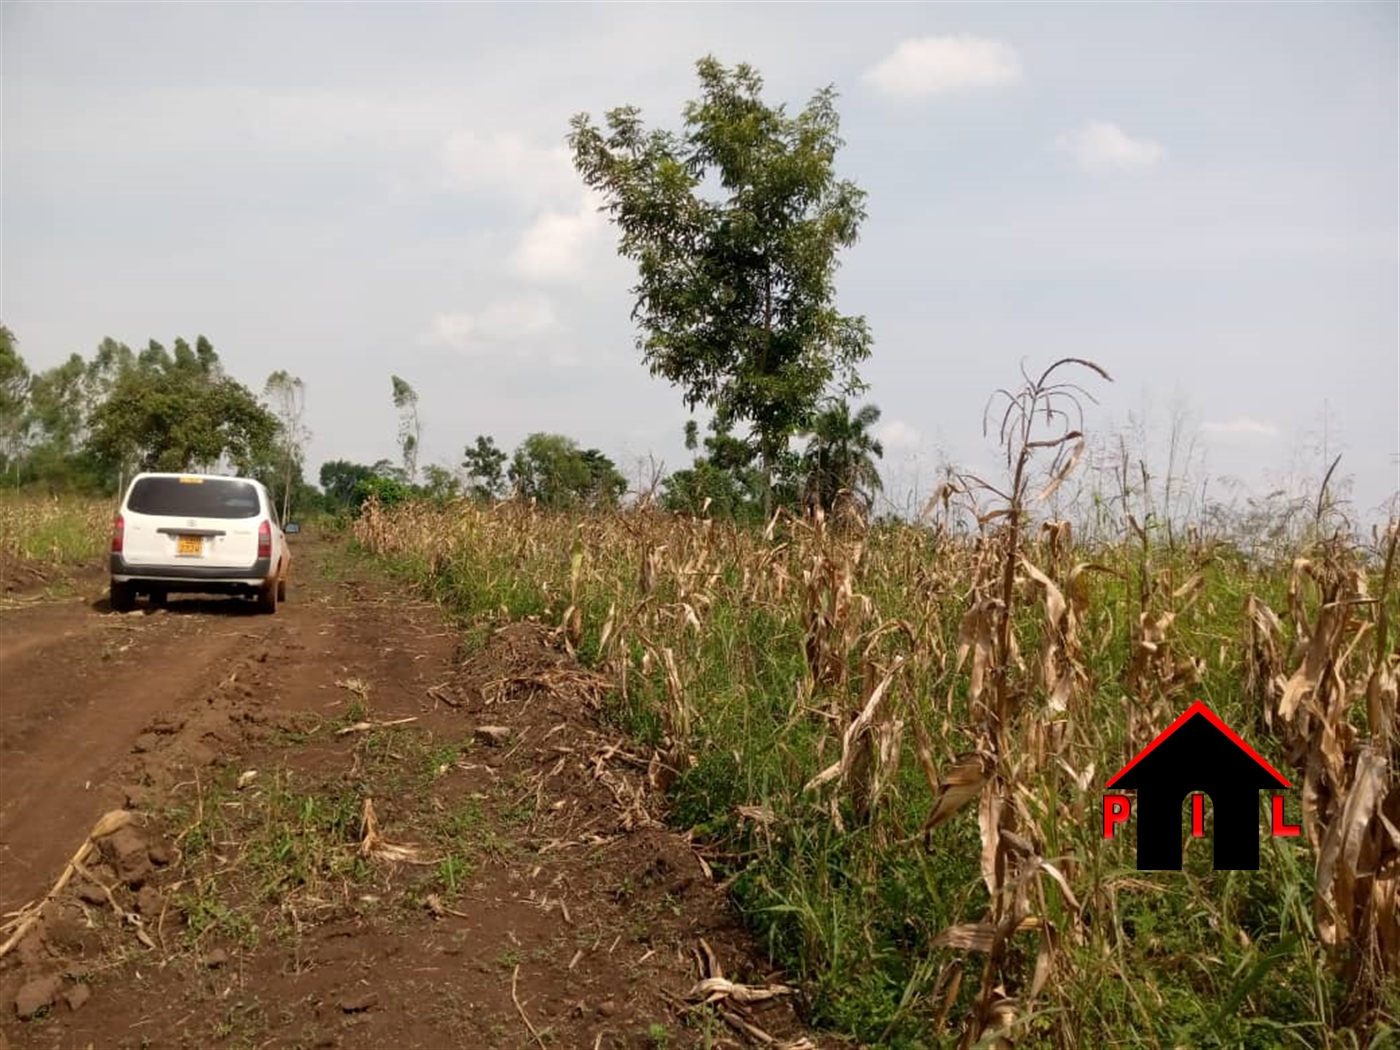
<point>1115,811</point>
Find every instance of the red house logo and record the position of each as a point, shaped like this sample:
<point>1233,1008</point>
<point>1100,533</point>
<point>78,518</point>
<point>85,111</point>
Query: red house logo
<point>1197,755</point>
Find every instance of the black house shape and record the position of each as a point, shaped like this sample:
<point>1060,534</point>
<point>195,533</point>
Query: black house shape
<point>1198,752</point>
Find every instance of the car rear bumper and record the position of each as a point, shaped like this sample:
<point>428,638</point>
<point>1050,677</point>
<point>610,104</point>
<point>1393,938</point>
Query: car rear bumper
<point>258,572</point>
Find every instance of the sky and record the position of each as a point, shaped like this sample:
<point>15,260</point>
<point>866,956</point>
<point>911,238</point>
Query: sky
<point>1202,198</point>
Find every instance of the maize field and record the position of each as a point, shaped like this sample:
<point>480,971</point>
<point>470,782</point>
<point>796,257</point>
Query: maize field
<point>890,743</point>
<point>42,533</point>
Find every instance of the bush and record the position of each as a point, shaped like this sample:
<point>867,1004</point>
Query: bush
<point>387,491</point>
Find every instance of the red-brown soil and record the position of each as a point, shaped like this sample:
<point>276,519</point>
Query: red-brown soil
<point>537,900</point>
<point>23,580</point>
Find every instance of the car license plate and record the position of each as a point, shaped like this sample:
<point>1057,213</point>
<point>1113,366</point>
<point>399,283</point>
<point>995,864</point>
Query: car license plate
<point>191,545</point>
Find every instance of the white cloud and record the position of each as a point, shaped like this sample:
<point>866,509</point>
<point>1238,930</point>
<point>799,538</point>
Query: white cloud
<point>509,165</point>
<point>897,435</point>
<point>1241,426</point>
<point>1101,146</point>
<point>510,320</point>
<point>937,65</point>
<point>555,247</point>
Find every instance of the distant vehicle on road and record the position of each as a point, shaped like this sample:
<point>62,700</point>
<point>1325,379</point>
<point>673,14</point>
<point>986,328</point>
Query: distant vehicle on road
<point>198,533</point>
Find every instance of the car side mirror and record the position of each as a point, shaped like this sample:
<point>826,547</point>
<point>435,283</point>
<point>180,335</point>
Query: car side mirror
<point>292,528</point>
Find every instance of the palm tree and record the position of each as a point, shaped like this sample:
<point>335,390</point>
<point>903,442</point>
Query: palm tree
<point>841,454</point>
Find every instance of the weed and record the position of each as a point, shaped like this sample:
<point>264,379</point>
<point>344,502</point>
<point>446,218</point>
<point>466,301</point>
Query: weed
<point>439,761</point>
<point>205,913</point>
<point>452,872</point>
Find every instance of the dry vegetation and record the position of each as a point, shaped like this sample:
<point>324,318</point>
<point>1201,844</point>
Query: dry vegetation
<point>54,529</point>
<point>891,742</point>
<point>41,535</point>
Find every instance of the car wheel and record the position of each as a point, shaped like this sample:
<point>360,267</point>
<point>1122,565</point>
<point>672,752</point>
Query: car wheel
<point>267,599</point>
<point>122,597</point>
<point>281,590</point>
<point>158,598</point>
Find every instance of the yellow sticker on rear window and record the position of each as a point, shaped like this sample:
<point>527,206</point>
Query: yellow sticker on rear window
<point>191,481</point>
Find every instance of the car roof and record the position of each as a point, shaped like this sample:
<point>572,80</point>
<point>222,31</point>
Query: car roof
<point>196,474</point>
<point>192,474</point>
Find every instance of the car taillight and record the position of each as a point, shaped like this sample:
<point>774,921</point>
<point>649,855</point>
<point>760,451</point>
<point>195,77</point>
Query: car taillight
<point>265,540</point>
<point>118,534</point>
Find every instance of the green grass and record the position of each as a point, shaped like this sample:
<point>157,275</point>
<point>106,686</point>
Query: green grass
<point>292,840</point>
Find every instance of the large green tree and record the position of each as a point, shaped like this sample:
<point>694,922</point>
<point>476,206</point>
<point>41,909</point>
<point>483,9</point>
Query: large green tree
<point>439,482</point>
<point>736,296</point>
<point>554,471</point>
<point>14,400</point>
<point>180,412</point>
<point>339,478</point>
<point>84,423</point>
<point>59,406</point>
<point>724,482</point>
<point>485,467</point>
<point>57,419</point>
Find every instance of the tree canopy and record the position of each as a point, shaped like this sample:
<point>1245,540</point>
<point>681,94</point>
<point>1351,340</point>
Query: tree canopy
<point>339,478</point>
<point>841,454</point>
<point>554,471</point>
<point>14,395</point>
<point>179,412</point>
<point>485,467</point>
<point>86,422</point>
<point>735,297</point>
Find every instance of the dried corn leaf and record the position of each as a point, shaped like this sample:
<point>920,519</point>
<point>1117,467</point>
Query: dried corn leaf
<point>373,845</point>
<point>1190,587</point>
<point>978,936</point>
<point>715,989</point>
<point>958,785</point>
<point>1044,959</point>
<point>975,637</point>
<point>968,936</point>
<point>989,826</point>
<point>1055,604</point>
<point>1338,862</point>
<point>1059,877</point>
<point>856,731</point>
<point>1071,461</point>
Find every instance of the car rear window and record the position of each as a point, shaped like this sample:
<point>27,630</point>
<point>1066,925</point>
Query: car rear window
<point>194,498</point>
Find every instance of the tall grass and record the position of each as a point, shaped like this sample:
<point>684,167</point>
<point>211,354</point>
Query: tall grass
<point>893,742</point>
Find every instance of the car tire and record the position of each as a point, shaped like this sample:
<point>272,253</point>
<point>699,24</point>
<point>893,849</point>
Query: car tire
<point>267,598</point>
<point>122,597</point>
<point>157,599</point>
<point>282,590</point>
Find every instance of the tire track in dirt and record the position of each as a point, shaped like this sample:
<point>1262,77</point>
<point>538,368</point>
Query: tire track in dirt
<point>80,690</point>
<point>73,706</point>
<point>100,710</point>
<point>547,905</point>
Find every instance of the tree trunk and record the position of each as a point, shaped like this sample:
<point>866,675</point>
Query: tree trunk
<point>767,480</point>
<point>287,490</point>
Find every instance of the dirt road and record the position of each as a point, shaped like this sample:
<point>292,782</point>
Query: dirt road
<point>346,828</point>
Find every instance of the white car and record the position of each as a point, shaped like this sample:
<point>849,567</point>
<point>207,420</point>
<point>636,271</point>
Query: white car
<point>198,533</point>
